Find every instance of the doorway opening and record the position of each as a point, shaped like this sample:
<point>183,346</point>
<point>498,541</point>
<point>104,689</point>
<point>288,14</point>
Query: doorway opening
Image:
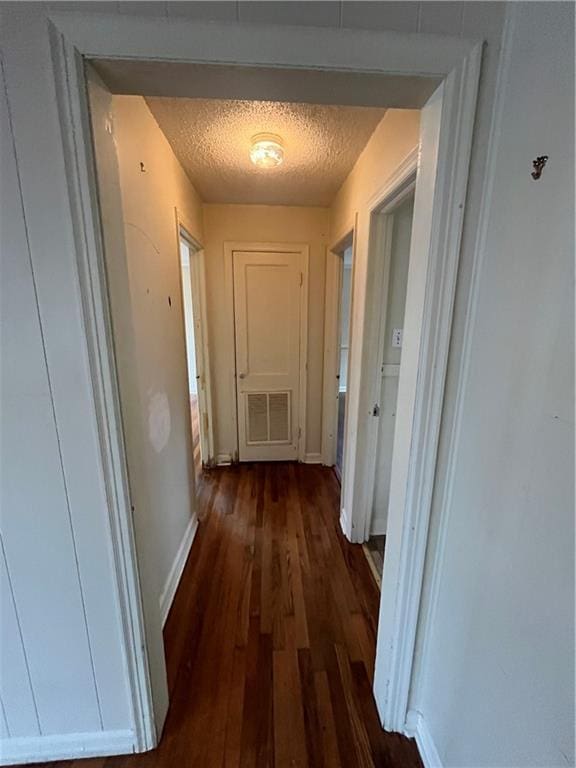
<point>345,307</point>
<point>391,232</point>
<point>196,350</point>
<point>443,183</point>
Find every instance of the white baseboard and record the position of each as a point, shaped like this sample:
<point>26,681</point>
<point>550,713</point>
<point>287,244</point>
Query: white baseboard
<point>223,459</point>
<point>65,746</point>
<point>419,730</point>
<point>312,458</point>
<point>173,579</point>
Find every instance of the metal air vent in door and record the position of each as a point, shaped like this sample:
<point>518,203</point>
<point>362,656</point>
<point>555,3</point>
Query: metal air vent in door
<point>267,417</point>
<point>278,417</point>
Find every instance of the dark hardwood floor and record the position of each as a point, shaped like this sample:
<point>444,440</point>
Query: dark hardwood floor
<point>271,639</point>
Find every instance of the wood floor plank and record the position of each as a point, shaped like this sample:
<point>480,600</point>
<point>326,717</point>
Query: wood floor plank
<point>257,744</point>
<point>233,742</point>
<point>289,730</point>
<point>358,727</point>
<point>330,750</point>
<point>312,723</point>
<point>270,641</point>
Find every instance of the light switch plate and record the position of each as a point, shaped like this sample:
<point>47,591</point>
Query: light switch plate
<point>397,337</point>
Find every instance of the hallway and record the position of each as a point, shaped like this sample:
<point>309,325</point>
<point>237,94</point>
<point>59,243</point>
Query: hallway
<point>271,638</point>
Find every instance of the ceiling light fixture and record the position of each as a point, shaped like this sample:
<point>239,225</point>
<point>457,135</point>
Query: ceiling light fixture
<point>267,150</point>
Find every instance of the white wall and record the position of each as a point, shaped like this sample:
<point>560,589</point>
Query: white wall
<point>258,223</point>
<point>499,656</point>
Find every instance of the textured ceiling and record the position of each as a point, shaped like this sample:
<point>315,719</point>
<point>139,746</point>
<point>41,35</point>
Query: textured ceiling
<point>211,139</point>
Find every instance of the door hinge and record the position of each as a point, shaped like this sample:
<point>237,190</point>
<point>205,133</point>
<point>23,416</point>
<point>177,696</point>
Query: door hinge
<point>299,432</point>
<point>301,279</point>
<point>376,410</point>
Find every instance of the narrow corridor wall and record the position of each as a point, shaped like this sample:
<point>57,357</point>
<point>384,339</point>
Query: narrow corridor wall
<point>142,190</point>
<point>153,189</point>
<point>268,224</point>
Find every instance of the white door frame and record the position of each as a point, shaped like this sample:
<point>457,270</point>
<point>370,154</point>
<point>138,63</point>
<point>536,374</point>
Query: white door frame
<point>332,334</point>
<point>397,188</point>
<point>301,250</point>
<point>456,63</point>
<point>198,281</point>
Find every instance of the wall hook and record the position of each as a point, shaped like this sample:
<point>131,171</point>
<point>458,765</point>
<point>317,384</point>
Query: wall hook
<point>538,166</point>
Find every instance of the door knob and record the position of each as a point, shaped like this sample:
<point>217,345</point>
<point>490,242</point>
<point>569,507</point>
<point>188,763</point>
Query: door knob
<point>241,375</point>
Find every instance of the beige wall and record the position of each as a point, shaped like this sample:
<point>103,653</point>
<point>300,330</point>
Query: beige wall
<point>139,206</point>
<point>259,223</point>
<point>394,137</point>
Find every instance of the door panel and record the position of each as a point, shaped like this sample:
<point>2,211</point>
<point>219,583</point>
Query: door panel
<point>400,222</point>
<point>267,289</point>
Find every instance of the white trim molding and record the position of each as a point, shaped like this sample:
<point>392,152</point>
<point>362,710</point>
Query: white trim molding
<point>445,488</point>
<point>452,117</point>
<point>332,332</point>
<point>171,585</point>
<point>312,458</point>
<point>69,80</point>
<point>66,746</point>
<point>417,728</point>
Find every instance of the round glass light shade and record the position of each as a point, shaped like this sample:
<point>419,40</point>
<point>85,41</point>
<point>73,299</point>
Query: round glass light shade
<point>267,150</point>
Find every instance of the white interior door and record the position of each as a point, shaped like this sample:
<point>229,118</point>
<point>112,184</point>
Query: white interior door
<point>267,313</point>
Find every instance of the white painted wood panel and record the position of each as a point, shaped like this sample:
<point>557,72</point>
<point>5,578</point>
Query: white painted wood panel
<point>18,715</point>
<point>43,570</point>
<point>4,732</point>
<point>53,254</point>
